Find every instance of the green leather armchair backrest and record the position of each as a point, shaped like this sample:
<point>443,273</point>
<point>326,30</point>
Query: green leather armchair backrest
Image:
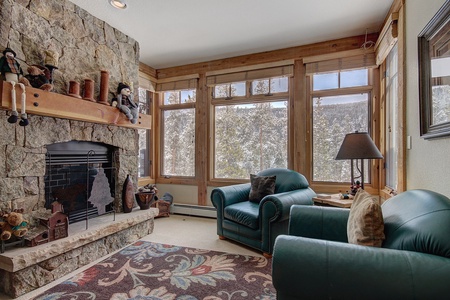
<point>418,220</point>
<point>287,180</point>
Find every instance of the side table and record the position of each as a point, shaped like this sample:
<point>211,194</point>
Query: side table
<point>333,200</point>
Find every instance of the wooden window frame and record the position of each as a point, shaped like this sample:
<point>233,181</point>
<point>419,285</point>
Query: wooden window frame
<point>238,100</point>
<point>373,90</point>
<point>161,107</point>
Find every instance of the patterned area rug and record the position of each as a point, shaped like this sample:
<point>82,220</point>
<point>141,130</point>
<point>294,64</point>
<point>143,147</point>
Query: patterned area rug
<point>148,270</point>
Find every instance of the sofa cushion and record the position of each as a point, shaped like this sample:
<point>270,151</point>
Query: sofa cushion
<point>244,213</point>
<point>418,220</point>
<point>365,224</point>
<point>261,186</point>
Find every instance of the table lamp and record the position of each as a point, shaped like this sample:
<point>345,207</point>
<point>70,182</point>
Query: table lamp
<point>358,145</point>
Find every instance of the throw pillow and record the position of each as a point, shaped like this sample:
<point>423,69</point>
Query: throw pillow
<point>365,223</point>
<point>261,186</point>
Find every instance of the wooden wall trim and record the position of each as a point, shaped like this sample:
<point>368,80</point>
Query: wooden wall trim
<point>252,67</point>
<point>401,159</point>
<point>295,53</point>
<point>301,120</point>
<point>147,70</point>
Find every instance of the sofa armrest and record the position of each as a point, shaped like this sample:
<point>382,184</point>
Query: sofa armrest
<point>282,203</point>
<point>227,195</point>
<point>304,268</point>
<point>319,222</point>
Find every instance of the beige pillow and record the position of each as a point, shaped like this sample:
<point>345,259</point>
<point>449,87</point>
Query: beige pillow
<point>365,223</point>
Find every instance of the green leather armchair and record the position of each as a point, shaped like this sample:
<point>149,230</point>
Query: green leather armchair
<point>257,225</point>
<point>315,261</point>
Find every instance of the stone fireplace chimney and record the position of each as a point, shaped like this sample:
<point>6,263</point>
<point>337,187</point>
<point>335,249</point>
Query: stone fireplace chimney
<point>85,45</point>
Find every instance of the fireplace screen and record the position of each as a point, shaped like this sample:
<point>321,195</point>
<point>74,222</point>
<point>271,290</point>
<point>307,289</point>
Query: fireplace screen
<point>80,175</point>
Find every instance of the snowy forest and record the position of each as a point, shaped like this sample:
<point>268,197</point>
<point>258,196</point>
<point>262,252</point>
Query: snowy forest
<point>250,138</point>
<point>330,125</point>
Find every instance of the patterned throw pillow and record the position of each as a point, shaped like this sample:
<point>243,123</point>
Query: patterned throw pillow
<point>365,223</point>
<point>261,186</point>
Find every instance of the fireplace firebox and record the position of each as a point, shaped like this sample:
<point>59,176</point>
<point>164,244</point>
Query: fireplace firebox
<point>80,175</point>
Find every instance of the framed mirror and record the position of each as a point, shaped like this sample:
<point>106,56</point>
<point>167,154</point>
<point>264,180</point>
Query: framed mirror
<point>434,75</point>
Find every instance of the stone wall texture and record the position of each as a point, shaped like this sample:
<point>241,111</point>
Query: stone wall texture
<point>85,45</point>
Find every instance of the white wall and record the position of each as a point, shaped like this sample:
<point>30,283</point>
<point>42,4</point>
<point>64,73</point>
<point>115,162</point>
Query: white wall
<point>428,161</point>
<point>182,194</point>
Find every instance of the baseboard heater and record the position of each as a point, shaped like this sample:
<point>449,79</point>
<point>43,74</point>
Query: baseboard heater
<point>194,210</point>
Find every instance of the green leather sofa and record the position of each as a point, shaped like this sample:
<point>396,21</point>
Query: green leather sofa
<point>257,225</point>
<point>315,261</point>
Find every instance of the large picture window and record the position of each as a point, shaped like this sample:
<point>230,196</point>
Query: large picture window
<point>340,105</point>
<point>249,138</point>
<point>250,124</point>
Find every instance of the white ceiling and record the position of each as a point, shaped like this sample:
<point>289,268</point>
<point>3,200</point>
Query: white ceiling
<point>178,32</point>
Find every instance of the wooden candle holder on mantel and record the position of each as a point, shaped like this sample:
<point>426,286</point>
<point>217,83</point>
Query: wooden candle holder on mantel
<point>42,103</point>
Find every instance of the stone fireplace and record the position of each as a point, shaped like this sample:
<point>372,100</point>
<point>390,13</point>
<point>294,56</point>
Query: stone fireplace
<point>27,158</point>
<point>85,46</point>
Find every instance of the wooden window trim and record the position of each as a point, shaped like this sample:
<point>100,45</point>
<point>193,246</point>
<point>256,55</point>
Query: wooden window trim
<point>373,89</point>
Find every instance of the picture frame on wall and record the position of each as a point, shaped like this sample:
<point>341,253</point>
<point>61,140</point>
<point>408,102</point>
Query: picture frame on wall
<point>434,75</point>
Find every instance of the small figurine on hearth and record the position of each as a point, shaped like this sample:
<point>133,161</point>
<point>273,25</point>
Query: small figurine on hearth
<point>124,102</point>
<point>13,225</point>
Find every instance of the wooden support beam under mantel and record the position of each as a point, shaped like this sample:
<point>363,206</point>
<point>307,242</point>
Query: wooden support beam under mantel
<point>50,104</point>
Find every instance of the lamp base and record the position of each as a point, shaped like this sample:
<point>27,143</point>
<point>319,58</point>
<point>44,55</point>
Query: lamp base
<point>355,187</point>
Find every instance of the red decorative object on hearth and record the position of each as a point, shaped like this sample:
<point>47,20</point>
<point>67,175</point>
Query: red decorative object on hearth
<point>53,226</point>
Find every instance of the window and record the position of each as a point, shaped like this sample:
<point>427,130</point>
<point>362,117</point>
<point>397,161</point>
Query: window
<point>230,90</point>
<point>337,110</point>
<point>144,162</point>
<point>269,86</point>
<point>249,138</point>
<point>392,123</point>
<point>178,133</point>
<point>250,129</point>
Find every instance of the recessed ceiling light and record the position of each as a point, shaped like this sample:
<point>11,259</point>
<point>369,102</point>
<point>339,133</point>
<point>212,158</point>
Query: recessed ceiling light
<point>118,4</point>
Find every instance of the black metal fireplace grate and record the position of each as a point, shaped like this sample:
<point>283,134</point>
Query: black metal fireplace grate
<point>80,175</point>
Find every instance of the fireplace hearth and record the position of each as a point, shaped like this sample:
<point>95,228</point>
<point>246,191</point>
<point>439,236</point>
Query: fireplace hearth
<point>80,175</point>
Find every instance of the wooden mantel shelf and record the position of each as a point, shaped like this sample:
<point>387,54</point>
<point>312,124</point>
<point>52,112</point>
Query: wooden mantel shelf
<point>50,104</point>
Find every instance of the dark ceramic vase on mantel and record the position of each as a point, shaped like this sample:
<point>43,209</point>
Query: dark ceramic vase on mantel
<point>128,195</point>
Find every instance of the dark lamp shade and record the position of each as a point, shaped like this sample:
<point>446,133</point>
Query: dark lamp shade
<point>358,145</point>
